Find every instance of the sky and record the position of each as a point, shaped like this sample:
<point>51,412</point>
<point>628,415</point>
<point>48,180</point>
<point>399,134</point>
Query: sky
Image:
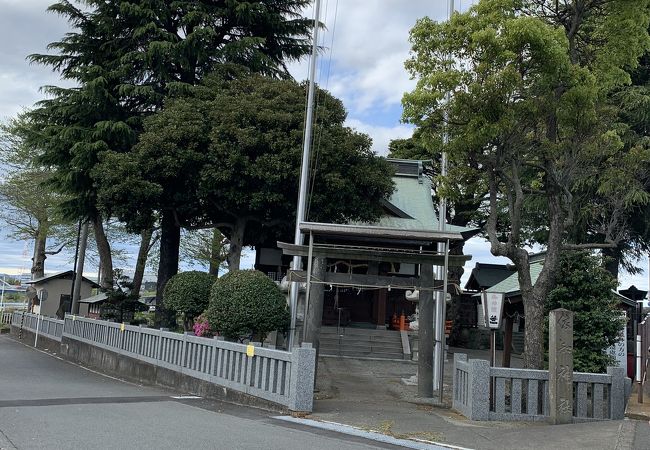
<point>366,45</point>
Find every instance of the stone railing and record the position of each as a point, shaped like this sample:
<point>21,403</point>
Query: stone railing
<point>47,326</point>
<point>522,394</point>
<point>285,378</point>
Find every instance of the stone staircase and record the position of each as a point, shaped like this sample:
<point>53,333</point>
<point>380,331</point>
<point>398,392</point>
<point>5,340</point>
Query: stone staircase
<point>361,343</point>
<point>517,342</point>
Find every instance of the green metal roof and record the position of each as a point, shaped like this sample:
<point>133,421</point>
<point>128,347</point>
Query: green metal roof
<point>510,286</point>
<point>412,196</point>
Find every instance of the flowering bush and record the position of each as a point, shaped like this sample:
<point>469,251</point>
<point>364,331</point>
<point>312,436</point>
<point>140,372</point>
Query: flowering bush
<point>202,327</point>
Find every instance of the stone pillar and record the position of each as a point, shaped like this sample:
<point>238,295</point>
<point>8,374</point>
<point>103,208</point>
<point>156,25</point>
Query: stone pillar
<point>380,309</point>
<point>314,317</point>
<point>560,366</point>
<point>425,333</point>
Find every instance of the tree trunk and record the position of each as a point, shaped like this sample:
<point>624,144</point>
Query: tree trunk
<point>215,252</point>
<point>105,257</point>
<point>236,244</point>
<point>534,332</point>
<point>38,260</point>
<point>141,263</point>
<point>170,239</point>
<point>79,270</point>
<point>612,260</point>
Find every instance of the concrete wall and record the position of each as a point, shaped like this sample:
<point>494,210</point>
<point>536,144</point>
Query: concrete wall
<point>138,371</point>
<point>245,374</point>
<point>29,337</point>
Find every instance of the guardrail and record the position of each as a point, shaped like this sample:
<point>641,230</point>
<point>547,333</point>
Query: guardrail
<point>5,317</point>
<point>522,394</point>
<point>286,378</point>
<point>47,326</point>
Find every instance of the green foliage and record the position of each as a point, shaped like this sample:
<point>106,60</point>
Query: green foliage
<point>531,121</point>
<point>125,58</point>
<point>121,304</point>
<point>247,304</point>
<point>231,155</point>
<point>204,248</point>
<point>586,289</point>
<point>189,294</point>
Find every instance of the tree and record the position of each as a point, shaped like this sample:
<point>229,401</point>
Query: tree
<point>126,57</point>
<point>229,157</point>
<point>188,293</point>
<point>121,301</point>
<point>589,291</point>
<point>28,209</point>
<point>207,248</point>
<point>529,116</point>
<point>632,103</point>
<point>247,304</point>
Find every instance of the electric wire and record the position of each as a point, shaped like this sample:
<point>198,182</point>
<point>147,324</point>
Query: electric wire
<point>315,159</point>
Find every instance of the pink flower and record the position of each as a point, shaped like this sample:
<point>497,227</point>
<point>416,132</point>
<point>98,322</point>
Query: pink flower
<point>202,327</point>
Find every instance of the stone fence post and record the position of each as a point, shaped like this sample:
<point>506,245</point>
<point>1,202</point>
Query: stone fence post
<point>301,385</point>
<point>617,393</point>
<point>560,365</point>
<point>479,389</point>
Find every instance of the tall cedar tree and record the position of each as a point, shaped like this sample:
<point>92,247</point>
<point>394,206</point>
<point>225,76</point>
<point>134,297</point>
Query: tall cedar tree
<point>126,57</point>
<point>230,158</point>
<point>531,81</point>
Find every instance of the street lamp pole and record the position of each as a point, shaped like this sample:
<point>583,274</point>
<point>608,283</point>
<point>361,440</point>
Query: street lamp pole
<point>304,173</point>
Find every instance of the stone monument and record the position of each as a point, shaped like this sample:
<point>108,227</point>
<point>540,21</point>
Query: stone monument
<point>560,366</point>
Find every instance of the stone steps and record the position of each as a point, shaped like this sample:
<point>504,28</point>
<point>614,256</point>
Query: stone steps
<point>361,343</point>
<point>517,342</point>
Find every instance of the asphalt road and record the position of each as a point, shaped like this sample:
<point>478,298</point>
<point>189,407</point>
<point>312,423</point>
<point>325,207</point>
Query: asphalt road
<point>48,403</point>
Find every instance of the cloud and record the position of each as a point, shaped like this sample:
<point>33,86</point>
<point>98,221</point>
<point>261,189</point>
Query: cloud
<point>25,28</point>
<point>367,44</point>
<point>381,136</point>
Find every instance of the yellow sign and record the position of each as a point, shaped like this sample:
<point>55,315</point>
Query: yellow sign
<point>250,350</point>
<point>122,327</point>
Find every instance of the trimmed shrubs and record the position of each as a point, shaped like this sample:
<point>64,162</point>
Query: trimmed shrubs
<point>189,294</point>
<point>247,304</point>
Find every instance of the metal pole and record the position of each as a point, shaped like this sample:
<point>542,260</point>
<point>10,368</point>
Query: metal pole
<point>638,367</point>
<point>304,172</point>
<point>38,319</point>
<point>441,377</point>
<point>2,297</point>
<point>440,296</point>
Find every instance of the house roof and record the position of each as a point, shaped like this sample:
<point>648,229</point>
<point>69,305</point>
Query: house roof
<point>406,232</point>
<point>633,293</point>
<point>62,275</point>
<point>485,275</point>
<point>510,285</point>
<point>95,298</point>
<point>623,299</point>
<point>410,209</point>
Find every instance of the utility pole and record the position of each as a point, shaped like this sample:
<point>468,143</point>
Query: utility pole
<point>441,271</point>
<point>304,173</point>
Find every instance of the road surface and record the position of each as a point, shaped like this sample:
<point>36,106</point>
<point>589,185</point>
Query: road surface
<point>49,403</point>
